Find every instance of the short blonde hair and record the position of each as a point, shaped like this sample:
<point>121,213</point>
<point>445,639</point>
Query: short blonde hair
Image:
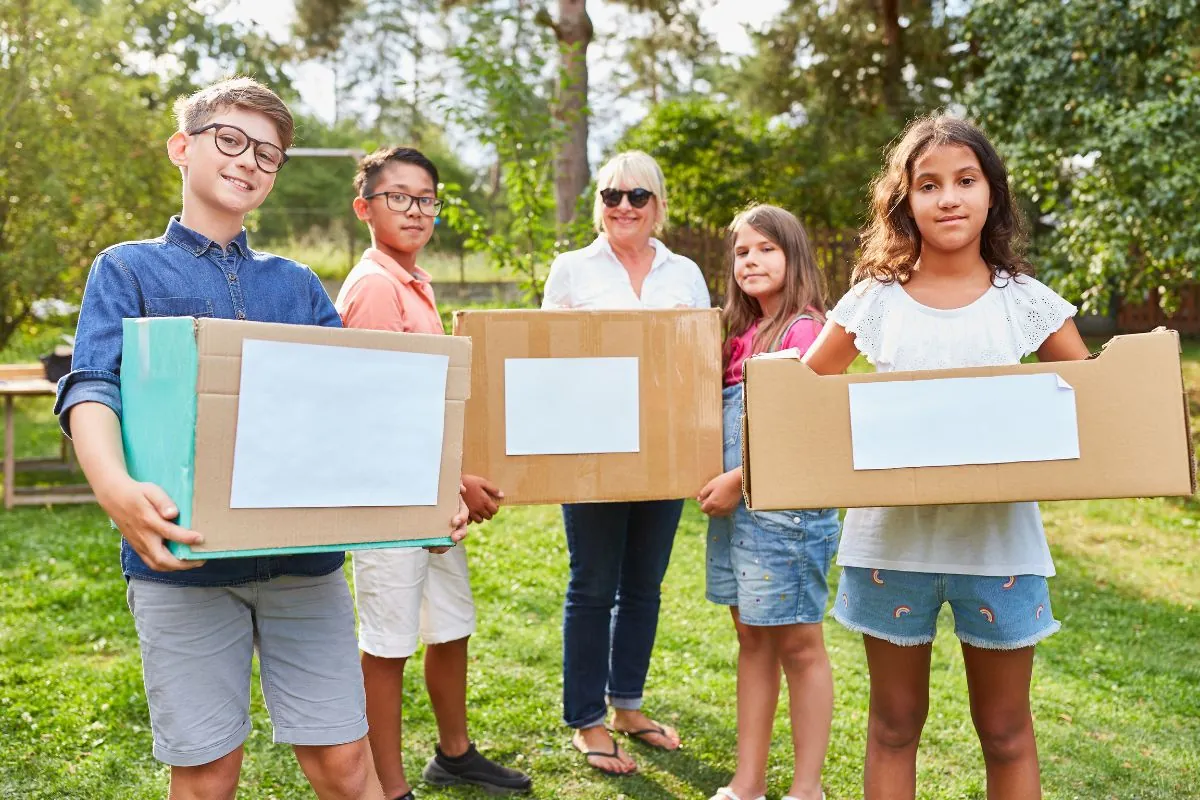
<point>634,169</point>
<point>248,94</point>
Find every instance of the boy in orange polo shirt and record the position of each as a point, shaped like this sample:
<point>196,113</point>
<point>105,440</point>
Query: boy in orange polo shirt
<point>406,594</point>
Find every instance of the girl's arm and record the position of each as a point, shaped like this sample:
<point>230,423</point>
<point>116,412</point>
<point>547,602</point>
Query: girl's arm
<point>721,495</point>
<point>833,351</point>
<point>1065,344</point>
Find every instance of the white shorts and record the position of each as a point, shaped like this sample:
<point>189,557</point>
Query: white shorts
<point>405,593</point>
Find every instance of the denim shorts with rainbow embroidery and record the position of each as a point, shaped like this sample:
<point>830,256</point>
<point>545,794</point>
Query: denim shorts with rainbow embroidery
<point>996,613</point>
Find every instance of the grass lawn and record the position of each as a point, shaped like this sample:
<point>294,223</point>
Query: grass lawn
<point>1116,694</point>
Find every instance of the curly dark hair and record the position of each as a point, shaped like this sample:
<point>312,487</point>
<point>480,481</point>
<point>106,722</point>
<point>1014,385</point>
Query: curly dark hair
<point>891,241</point>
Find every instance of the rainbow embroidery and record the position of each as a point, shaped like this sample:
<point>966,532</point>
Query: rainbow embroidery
<point>1038,613</point>
<point>875,577</point>
<point>845,600</point>
<point>1011,582</point>
<point>987,614</point>
<point>901,611</point>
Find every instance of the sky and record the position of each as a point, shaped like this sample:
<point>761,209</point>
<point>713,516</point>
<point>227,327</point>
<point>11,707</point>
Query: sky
<point>725,19</point>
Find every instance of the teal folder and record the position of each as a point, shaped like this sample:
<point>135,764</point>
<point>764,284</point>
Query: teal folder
<point>159,366</point>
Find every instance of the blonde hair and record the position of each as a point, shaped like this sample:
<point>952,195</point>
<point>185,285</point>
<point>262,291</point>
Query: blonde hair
<point>803,288</point>
<point>634,169</point>
<point>198,110</point>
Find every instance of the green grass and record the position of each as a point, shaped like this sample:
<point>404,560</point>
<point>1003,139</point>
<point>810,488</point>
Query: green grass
<point>1116,694</point>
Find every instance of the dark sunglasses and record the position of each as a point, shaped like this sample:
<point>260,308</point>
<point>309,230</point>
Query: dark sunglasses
<point>233,141</point>
<point>637,197</point>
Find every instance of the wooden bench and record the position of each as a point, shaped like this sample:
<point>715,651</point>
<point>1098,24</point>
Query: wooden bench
<point>29,380</point>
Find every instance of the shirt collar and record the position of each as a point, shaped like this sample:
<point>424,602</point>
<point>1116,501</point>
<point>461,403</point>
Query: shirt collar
<point>393,266</point>
<point>601,245</point>
<point>197,244</point>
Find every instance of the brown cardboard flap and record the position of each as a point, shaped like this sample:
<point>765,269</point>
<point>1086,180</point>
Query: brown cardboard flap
<point>220,346</point>
<point>680,402</point>
<point>219,342</point>
<point>1134,439</point>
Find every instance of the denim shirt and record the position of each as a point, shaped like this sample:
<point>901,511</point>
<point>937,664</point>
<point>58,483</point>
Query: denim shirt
<point>182,273</point>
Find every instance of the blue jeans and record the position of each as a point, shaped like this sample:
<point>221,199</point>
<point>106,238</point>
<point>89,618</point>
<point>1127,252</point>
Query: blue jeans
<point>772,565</point>
<point>619,554</point>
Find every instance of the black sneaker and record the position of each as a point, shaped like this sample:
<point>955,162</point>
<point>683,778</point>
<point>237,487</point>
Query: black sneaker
<point>474,768</point>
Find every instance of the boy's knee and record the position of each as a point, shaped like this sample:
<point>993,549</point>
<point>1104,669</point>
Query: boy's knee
<point>342,771</point>
<point>216,780</point>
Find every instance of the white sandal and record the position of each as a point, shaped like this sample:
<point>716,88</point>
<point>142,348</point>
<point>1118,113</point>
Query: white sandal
<point>725,793</point>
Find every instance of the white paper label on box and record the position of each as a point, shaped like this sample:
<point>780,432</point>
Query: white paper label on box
<point>953,421</point>
<point>323,427</point>
<point>555,406</point>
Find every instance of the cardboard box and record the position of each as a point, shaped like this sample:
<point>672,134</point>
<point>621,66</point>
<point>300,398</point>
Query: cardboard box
<point>180,384</point>
<point>678,403</point>
<point>1133,435</point>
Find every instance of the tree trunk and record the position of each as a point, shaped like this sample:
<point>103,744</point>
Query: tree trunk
<point>893,65</point>
<point>574,33</point>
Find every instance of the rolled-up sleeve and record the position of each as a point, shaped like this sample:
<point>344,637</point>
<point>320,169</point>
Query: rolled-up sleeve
<point>110,295</point>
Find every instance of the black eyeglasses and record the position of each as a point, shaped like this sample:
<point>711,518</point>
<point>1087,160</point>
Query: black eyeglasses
<point>637,197</point>
<point>233,141</point>
<point>401,202</point>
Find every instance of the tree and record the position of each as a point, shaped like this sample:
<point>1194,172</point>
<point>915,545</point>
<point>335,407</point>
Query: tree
<point>1097,108</point>
<point>102,174</point>
<point>506,105</point>
<point>380,52</point>
<point>83,126</point>
<point>850,58</point>
<point>666,51</point>
<point>573,32</point>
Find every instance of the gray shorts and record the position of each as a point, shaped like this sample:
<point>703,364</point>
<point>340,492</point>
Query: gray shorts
<point>197,643</point>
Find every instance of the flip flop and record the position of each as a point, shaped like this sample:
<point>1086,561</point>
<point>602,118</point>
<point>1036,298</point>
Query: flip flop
<point>642,733</point>
<point>725,793</point>
<point>616,753</point>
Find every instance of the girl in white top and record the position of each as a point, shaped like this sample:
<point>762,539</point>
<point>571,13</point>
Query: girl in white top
<point>618,551</point>
<point>941,284</point>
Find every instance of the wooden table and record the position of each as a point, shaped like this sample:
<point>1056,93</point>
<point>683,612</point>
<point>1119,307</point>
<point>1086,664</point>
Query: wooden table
<point>22,380</point>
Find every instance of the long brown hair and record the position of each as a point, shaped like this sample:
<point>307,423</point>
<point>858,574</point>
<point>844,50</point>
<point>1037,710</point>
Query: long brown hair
<point>803,284</point>
<point>891,241</point>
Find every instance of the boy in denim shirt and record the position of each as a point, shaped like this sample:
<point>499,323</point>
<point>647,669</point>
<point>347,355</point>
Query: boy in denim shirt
<point>199,623</point>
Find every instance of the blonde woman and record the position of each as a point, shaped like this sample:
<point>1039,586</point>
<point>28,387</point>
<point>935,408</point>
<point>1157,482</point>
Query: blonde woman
<point>619,551</point>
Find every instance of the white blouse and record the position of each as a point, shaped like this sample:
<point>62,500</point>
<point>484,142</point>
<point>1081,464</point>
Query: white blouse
<point>897,333</point>
<point>593,278</point>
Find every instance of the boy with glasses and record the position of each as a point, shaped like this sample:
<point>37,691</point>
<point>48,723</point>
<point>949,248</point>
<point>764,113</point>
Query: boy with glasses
<point>199,623</point>
<point>403,595</point>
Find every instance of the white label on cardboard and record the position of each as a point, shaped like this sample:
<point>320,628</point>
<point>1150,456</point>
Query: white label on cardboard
<point>555,406</point>
<point>325,427</point>
<point>952,421</point>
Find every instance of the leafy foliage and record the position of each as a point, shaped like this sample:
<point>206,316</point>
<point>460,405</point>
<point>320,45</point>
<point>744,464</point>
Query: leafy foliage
<point>1097,106</point>
<point>507,108</point>
<point>93,182</point>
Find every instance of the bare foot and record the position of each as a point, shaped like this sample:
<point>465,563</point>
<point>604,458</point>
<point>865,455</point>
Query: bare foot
<point>605,755</point>
<point>634,723</point>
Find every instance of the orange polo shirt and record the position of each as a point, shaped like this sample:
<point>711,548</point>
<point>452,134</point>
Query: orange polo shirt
<point>382,295</point>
